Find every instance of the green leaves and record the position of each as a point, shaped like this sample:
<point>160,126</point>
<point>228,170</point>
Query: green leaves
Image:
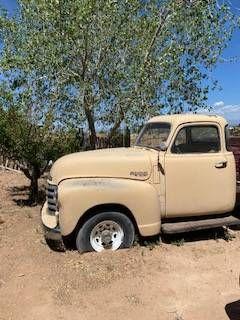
<point>99,62</point>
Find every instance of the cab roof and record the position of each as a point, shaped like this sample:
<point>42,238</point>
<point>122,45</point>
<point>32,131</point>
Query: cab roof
<point>177,119</point>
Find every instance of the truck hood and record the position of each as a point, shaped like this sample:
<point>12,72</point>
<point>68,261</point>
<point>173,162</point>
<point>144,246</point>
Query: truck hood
<point>131,163</point>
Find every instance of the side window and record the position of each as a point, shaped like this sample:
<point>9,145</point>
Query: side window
<point>197,139</point>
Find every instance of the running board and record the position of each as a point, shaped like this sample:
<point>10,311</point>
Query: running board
<point>193,225</point>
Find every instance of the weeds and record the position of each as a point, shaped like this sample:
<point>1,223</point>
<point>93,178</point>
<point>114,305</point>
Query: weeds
<point>228,235</point>
<point>133,299</point>
<point>178,243</point>
<point>153,242</point>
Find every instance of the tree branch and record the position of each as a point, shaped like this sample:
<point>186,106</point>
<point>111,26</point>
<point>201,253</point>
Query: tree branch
<point>116,124</point>
<point>26,172</point>
<point>44,169</point>
<point>164,14</point>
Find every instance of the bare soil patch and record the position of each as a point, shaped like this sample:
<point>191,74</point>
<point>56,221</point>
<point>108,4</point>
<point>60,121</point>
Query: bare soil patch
<point>198,279</point>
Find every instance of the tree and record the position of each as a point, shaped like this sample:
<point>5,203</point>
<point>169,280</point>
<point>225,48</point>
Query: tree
<point>28,134</point>
<point>105,61</point>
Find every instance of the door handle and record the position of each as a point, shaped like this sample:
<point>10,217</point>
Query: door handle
<point>222,164</point>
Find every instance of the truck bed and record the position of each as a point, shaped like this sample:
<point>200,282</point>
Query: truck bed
<point>238,196</point>
<point>235,147</point>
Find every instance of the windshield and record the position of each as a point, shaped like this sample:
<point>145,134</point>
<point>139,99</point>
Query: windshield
<point>153,134</point>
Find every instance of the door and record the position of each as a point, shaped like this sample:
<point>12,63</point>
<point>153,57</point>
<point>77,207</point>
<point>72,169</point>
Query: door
<point>200,173</point>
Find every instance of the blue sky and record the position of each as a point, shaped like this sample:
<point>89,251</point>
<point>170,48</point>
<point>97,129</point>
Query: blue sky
<point>226,101</point>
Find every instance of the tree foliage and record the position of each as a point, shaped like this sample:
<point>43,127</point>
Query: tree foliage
<point>102,62</point>
<point>29,135</point>
<point>105,61</point>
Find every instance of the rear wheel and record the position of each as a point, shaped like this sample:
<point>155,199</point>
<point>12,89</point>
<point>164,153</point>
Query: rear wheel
<point>105,231</point>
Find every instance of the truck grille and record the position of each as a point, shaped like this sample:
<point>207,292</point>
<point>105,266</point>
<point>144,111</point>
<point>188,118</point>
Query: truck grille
<point>51,193</point>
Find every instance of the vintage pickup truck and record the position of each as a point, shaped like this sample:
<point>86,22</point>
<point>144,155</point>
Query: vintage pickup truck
<point>180,176</point>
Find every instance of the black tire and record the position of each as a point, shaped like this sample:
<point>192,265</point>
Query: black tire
<point>83,237</point>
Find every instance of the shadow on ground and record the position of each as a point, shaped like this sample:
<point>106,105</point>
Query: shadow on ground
<point>181,238</point>
<point>21,196</point>
<point>155,241</point>
<point>55,245</point>
<point>233,310</point>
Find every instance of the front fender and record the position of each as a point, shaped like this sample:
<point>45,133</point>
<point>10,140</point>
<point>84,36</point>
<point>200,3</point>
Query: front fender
<point>76,196</point>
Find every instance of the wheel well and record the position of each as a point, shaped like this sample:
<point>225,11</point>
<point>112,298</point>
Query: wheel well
<point>69,240</point>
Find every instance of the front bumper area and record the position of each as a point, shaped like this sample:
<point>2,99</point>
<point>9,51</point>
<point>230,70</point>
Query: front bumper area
<point>51,229</point>
<point>54,239</point>
<point>49,218</point>
<point>52,234</point>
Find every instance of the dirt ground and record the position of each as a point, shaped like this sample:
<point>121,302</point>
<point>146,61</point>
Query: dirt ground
<point>197,280</point>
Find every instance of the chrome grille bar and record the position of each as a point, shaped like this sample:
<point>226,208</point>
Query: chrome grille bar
<point>51,195</point>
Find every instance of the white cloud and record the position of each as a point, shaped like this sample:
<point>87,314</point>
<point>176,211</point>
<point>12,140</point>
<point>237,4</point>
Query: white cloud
<point>218,104</point>
<point>229,112</point>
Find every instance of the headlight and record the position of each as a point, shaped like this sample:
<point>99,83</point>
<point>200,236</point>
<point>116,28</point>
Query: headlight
<point>50,164</point>
<point>49,177</point>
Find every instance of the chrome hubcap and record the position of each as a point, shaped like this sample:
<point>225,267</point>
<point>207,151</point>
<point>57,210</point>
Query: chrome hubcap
<point>105,235</point>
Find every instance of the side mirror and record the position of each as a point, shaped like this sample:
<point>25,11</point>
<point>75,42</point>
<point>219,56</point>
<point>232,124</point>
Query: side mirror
<point>163,146</point>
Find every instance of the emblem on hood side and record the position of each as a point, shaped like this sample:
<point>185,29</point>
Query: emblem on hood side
<point>139,173</point>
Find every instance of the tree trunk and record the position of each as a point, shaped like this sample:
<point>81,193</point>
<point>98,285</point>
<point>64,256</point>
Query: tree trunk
<point>33,196</point>
<point>116,126</point>
<point>126,137</point>
<point>35,174</point>
<point>91,126</point>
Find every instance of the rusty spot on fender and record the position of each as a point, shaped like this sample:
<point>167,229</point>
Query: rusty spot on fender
<point>97,183</point>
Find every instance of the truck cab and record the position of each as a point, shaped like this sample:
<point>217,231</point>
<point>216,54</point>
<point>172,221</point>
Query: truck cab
<point>179,176</point>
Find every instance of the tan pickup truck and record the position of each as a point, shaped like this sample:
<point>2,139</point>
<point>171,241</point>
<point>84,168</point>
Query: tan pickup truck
<point>180,176</point>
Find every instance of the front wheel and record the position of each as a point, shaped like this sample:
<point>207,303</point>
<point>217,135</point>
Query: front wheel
<point>105,231</point>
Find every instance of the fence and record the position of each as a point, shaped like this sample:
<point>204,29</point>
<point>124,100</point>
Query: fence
<point>102,141</point>
<point>118,140</point>
<point>7,163</point>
